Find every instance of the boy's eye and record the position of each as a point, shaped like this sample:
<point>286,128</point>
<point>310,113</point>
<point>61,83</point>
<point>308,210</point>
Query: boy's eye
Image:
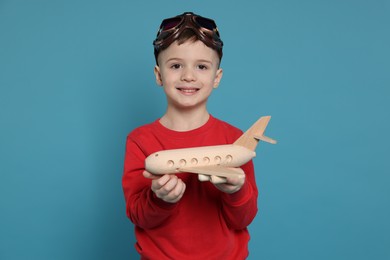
<point>175,66</point>
<point>202,67</point>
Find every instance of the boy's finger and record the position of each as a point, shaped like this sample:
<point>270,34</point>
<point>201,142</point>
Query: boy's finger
<point>150,175</point>
<point>169,184</point>
<point>217,180</point>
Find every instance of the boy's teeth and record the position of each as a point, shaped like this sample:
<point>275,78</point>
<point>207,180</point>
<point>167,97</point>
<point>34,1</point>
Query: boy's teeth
<point>188,90</point>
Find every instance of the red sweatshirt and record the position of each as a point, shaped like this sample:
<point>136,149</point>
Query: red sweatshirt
<point>206,223</point>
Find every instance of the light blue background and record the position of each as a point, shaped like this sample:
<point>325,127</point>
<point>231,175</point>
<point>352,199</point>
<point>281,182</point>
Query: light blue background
<point>77,76</point>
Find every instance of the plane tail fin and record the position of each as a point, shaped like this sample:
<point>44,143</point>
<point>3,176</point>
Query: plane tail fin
<point>251,137</point>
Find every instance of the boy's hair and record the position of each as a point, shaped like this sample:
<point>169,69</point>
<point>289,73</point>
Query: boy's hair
<point>192,28</point>
<point>186,35</point>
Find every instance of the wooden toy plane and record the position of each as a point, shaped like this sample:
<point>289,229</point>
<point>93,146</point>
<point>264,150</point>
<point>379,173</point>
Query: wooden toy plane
<point>213,163</point>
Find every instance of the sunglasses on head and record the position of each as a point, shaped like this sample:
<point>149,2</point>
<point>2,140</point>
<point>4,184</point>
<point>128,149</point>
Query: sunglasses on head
<point>171,28</point>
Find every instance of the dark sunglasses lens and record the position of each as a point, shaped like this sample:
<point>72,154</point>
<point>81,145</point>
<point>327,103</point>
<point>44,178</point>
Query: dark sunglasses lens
<point>206,23</point>
<point>170,23</point>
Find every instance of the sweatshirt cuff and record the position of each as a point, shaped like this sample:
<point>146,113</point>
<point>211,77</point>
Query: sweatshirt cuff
<point>162,204</point>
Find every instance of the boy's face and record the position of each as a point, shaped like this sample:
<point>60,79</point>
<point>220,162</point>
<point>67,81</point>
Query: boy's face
<point>188,73</point>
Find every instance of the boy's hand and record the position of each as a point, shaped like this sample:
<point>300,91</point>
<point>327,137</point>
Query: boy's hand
<point>169,187</point>
<point>231,185</point>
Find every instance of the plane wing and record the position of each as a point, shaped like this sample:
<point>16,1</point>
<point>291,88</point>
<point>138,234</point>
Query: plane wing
<point>216,170</point>
<point>265,139</point>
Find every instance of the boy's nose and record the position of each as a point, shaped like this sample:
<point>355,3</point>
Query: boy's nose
<point>188,75</point>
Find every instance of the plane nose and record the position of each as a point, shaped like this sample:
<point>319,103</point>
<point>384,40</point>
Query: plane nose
<point>150,163</point>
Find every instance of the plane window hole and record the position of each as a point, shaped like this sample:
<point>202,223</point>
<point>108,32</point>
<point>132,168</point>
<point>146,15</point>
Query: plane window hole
<point>229,158</point>
<point>182,162</point>
<point>206,160</point>
<point>170,163</point>
<point>194,161</point>
<point>217,159</point>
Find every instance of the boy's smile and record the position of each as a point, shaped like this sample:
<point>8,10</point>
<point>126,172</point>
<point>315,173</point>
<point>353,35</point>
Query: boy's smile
<point>188,72</point>
<point>187,90</point>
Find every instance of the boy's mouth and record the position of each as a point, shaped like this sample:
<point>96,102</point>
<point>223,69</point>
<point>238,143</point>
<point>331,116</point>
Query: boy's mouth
<point>188,90</point>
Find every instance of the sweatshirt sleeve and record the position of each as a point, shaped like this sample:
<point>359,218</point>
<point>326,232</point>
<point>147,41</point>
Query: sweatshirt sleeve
<point>240,208</point>
<point>143,208</point>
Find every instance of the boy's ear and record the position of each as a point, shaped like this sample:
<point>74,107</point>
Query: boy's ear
<point>218,77</point>
<point>157,73</point>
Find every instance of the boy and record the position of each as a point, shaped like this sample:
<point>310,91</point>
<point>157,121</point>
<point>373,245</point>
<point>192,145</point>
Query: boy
<point>177,216</point>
